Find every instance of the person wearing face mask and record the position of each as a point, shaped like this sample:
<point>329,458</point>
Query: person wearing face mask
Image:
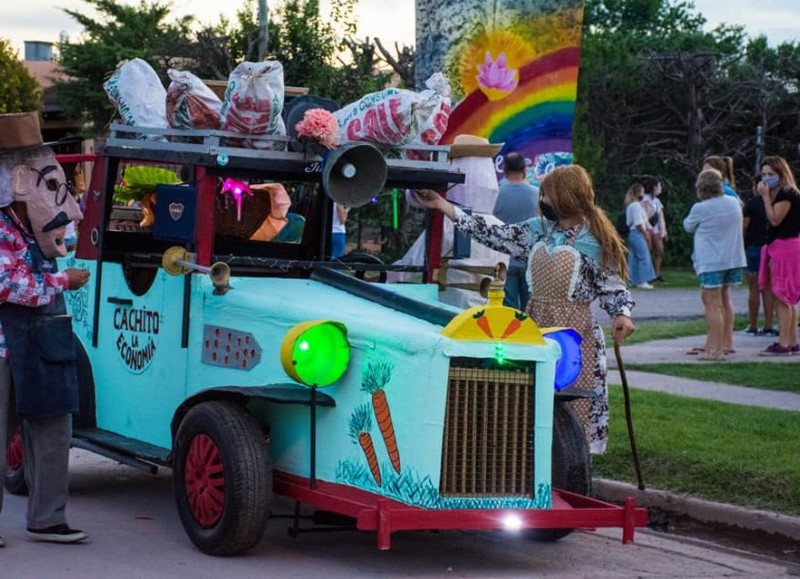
<point>639,264</point>
<point>655,217</point>
<point>780,267</point>
<point>574,257</point>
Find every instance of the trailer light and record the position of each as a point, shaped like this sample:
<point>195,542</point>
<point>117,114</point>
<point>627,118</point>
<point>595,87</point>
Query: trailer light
<point>569,364</point>
<point>512,523</point>
<point>316,353</point>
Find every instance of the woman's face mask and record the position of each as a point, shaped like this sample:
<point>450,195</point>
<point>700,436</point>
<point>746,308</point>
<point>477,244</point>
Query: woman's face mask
<point>547,211</point>
<point>772,181</point>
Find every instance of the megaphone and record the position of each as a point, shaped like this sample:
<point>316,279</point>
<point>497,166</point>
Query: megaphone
<point>354,173</point>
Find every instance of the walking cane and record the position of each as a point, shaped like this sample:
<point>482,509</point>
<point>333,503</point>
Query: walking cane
<point>627,395</point>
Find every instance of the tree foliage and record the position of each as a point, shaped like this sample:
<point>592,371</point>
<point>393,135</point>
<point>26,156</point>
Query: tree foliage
<point>658,92</point>
<point>18,89</point>
<point>119,32</point>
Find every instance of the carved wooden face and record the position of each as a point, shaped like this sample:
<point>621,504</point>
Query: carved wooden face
<point>42,186</point>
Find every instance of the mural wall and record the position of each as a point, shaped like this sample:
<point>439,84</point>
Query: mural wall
<point>513,67</point>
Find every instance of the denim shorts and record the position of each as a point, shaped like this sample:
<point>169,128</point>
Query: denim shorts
<point>712,279</point>
<point>753,253</point>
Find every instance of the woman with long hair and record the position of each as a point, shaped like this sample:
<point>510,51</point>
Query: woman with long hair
<point>723,164</point>
<point>574,256</point>
<point>640,266</point>
<point>780,265</point>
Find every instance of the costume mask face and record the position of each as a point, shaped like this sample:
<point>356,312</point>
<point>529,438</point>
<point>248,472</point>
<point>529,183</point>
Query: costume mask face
<point>42,186</point>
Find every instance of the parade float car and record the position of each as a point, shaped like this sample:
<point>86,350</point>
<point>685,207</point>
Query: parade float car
<point>259,367</point>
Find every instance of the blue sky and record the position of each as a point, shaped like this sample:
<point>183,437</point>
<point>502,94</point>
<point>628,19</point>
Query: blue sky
<point>390,20</point>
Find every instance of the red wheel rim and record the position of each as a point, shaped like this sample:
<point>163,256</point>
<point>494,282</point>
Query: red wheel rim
<point>204,477</point>
<point>14,451</point>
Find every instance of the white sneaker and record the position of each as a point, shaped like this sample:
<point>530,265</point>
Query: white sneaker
<point>644,285</point>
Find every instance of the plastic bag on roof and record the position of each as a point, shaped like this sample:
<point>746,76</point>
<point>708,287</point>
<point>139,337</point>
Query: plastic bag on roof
<point>254,100</point>
<point>398,116</point>
<point>138,95</point>
<point>191,104</point>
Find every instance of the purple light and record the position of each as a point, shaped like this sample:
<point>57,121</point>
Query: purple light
<point>237,189</point>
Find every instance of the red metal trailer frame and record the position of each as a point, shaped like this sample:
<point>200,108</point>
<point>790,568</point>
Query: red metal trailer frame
<point>373,512</point>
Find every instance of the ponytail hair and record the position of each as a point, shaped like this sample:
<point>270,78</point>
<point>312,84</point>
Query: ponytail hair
<point>724,165</point>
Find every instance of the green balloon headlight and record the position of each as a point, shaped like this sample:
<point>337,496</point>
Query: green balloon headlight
<point>316,353</point>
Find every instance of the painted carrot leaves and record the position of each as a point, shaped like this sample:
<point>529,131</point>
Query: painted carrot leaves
<point>513,325</point>
<point>360,425</point>
<point>373,381</point>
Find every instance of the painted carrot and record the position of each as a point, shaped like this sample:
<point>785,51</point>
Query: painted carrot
<point>365,440</point>
<point>373,382</point>
<point>360,425</point>
<point>513,325</point>
<point>483,323</point>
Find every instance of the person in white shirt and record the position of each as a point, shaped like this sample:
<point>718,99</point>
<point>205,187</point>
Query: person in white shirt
<point>655,217</point>
<point>640,265</point>
<point>338,230</point>
<point>719,260</point>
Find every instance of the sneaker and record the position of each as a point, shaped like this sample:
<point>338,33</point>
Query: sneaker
<point>660,279</point>
<point>752,331</point>
<point>644,285</point>
<point>57,534</point>
<point>776,350</point>
<point>769,332</point>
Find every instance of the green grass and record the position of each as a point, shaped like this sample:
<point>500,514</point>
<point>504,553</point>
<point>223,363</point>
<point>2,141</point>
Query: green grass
<point>678,278</point>
<point>667,330</point>
<point>762,375</point>
<point>721,452</point>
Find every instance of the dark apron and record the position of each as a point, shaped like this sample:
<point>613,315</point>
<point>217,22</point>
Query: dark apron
<point>41,351</point>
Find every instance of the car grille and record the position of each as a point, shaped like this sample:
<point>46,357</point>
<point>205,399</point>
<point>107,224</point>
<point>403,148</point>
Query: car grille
<point>488,433</point>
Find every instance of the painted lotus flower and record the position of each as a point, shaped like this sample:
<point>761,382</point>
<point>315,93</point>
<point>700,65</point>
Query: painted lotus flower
<point>495,74</point>
<point>497,77</point>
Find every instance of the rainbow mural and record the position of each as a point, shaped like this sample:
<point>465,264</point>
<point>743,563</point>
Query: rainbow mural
<point>513,67</point>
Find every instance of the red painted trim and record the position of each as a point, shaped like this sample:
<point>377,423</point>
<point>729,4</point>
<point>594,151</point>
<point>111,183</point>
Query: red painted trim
<point>92,209</point>
<point>386,516</point>
<point>77,158</point>
<point>435,245</point>
<point>204,221</point>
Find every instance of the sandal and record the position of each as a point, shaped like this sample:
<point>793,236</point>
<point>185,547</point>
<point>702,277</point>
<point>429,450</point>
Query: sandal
<point>711,358</point>
<point>696,351</point>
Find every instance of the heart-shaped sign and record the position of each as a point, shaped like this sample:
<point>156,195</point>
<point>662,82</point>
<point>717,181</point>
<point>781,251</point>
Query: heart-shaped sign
<point>176,210</point>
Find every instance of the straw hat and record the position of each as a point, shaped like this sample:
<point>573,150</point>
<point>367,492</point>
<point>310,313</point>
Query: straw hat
<point>473,146</point>
<point>19,132</point>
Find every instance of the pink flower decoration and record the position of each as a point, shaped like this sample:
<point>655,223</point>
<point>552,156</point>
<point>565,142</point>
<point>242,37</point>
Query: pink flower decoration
<point>321,126</point>
<point>496,74</point>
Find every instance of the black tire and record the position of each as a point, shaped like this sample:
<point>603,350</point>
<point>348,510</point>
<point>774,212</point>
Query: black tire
<point>571,465</point>
<point>365,258</point>
<point>14,480</point>
<point>224,511</point>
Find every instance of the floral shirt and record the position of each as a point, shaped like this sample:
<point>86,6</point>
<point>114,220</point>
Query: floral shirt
<point>18,283</point>
<point>518,239</point>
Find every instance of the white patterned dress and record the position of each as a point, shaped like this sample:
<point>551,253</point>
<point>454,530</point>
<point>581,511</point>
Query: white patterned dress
<point>565,275</point>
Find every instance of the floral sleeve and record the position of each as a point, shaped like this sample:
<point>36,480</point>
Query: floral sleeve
<point>615,298</point>
<point>515,239</point>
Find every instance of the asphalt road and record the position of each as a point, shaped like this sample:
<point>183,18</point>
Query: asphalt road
<point>135,533</point>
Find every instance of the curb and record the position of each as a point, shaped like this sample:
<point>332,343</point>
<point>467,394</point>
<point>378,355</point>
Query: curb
<point>700,510</point>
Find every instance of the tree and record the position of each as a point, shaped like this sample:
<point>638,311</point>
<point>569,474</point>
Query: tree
<point>18,90</point>
<point>120,32</point>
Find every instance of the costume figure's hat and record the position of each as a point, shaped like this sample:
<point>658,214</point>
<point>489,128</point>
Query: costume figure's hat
<point>19,132</point>
<point>473,146</point>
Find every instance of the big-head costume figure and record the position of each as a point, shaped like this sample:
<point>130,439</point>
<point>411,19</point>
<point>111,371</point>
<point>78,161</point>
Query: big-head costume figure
<point>36,342</point>
<point>472,156</point>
